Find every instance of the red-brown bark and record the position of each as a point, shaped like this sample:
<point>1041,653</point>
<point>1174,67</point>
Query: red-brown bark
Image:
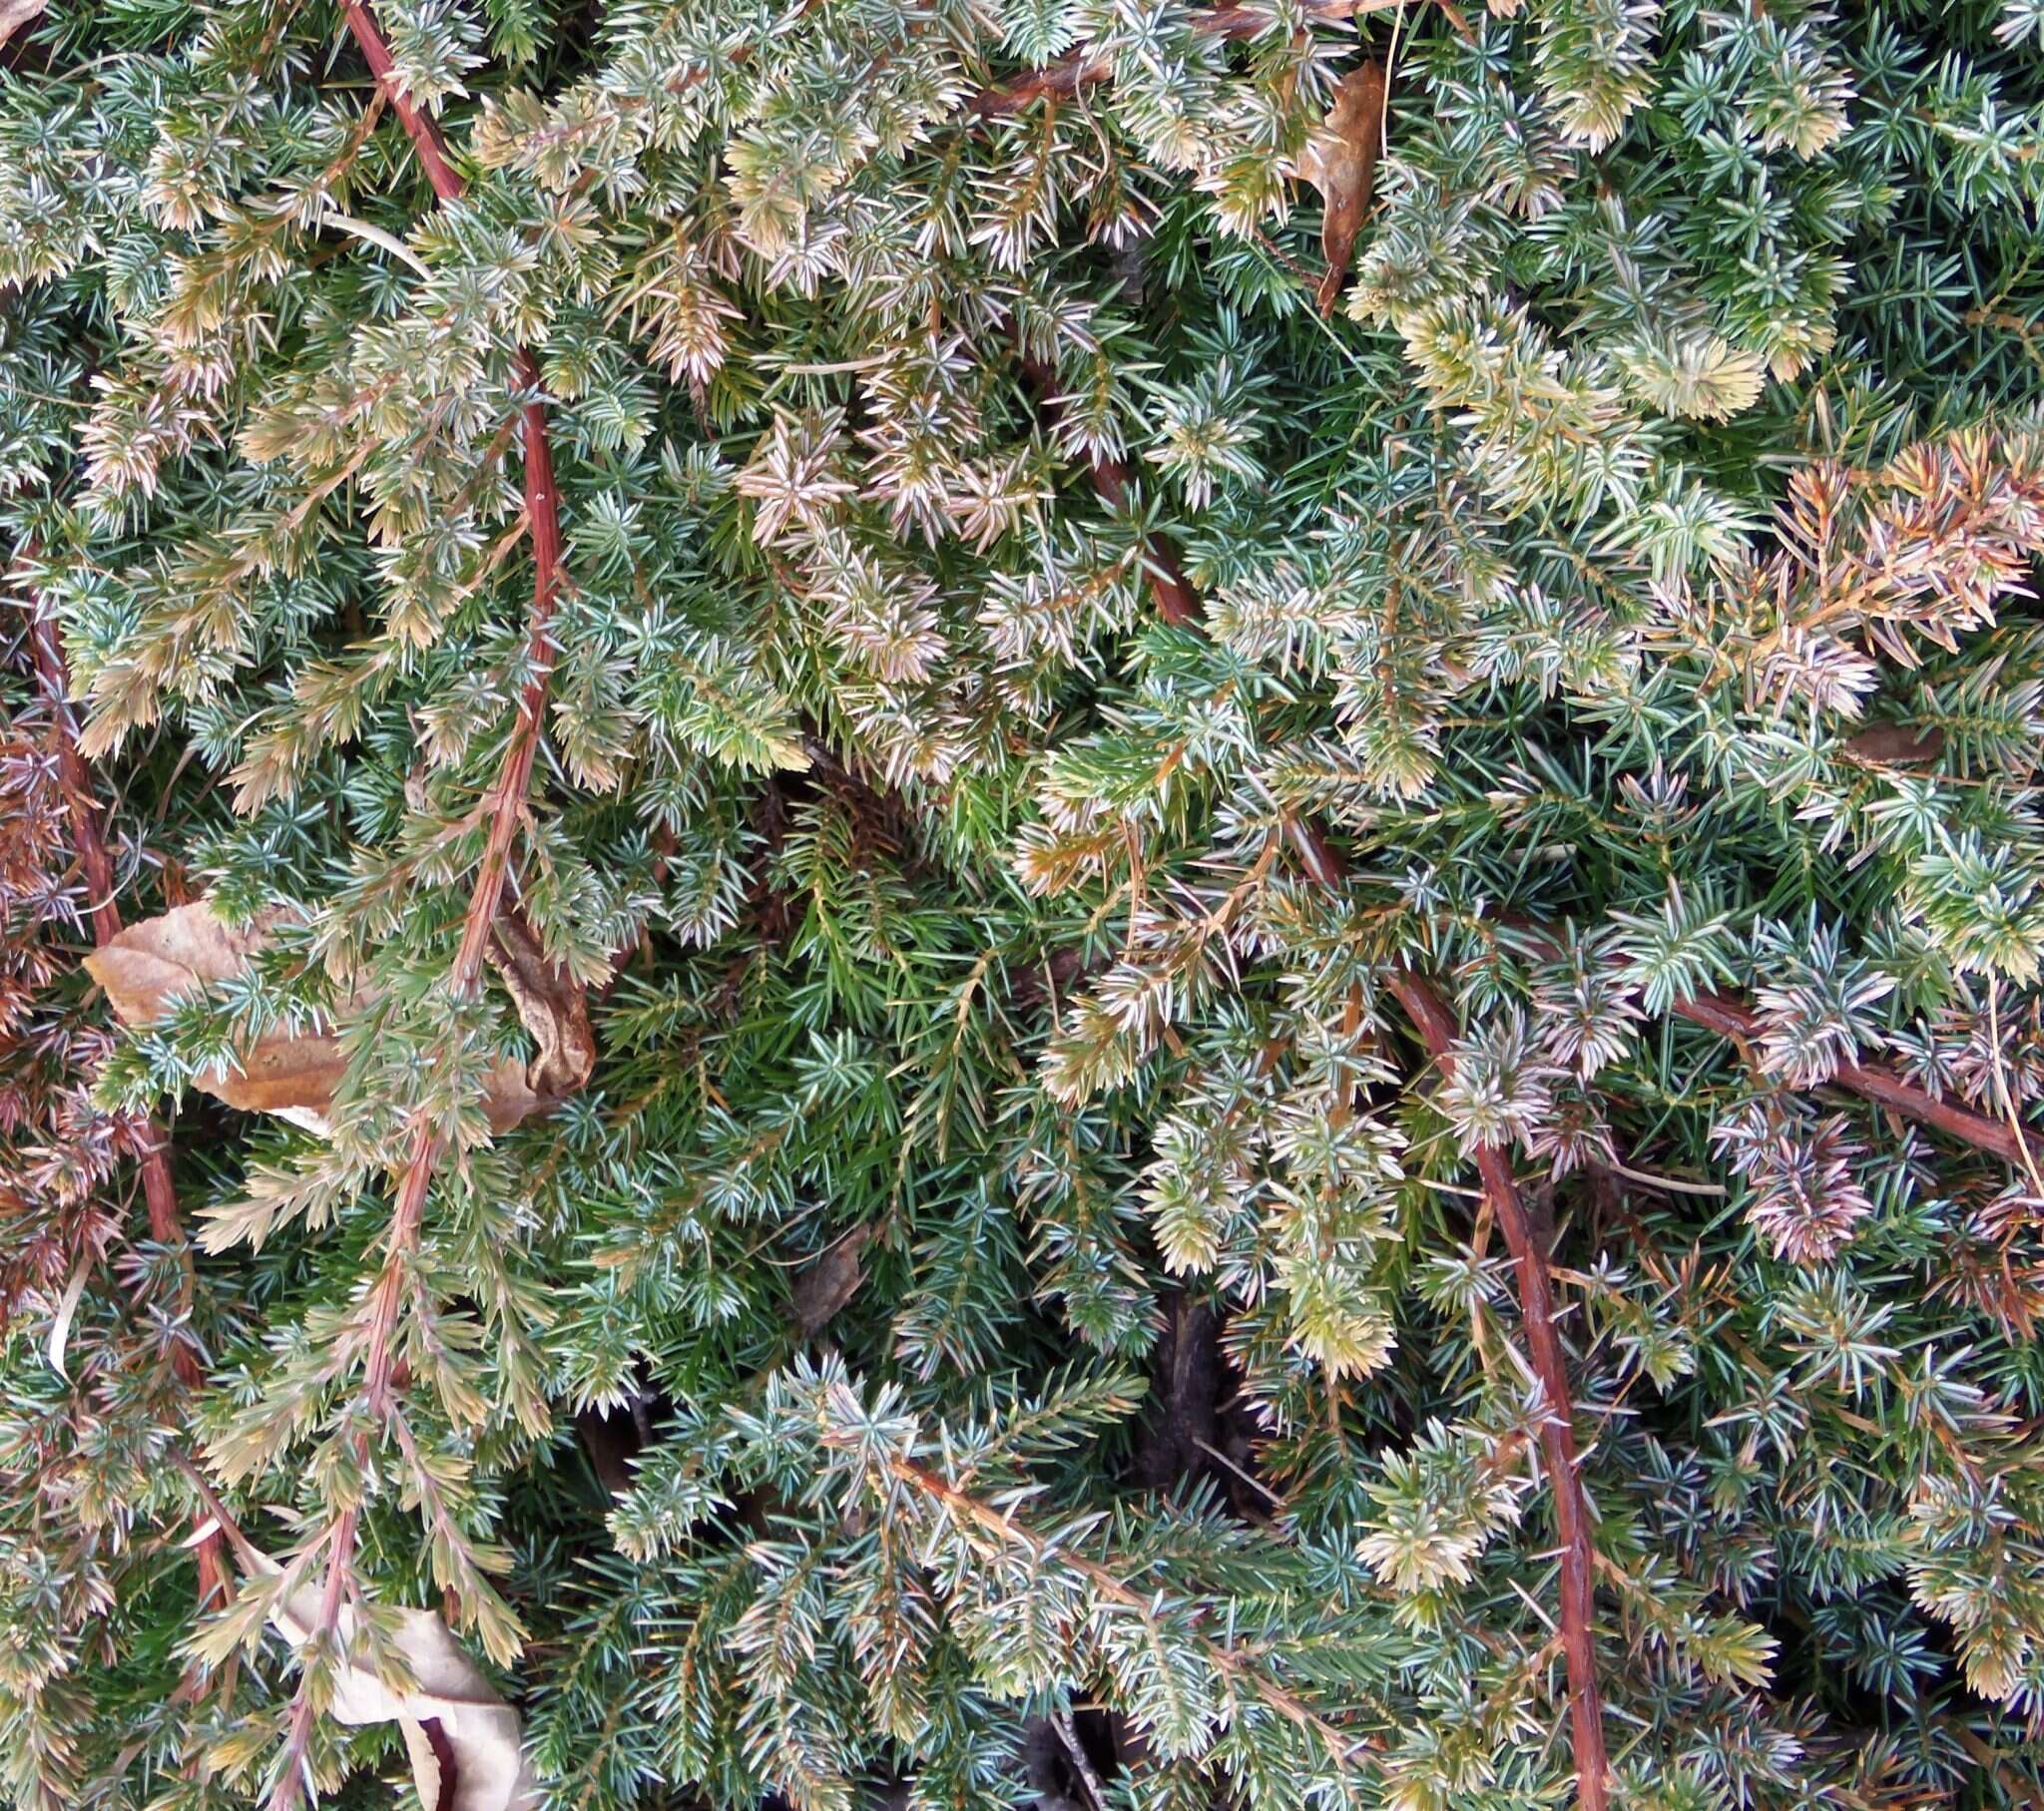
<point>102,913</point>
<point>1878,1083</point>
<point>506,803</point>
<point>1081,67</point>
<point>426,138</point>
<point>1438,1030</point>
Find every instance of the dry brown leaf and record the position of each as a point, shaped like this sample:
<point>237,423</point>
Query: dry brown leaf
<point>1899,744</point>
<point>14,14</point>
<point>552,1007</point>
<point>294,1074</point>
<point>462,1739</point>
<point>831,1281</point>
<point>1340,161</point>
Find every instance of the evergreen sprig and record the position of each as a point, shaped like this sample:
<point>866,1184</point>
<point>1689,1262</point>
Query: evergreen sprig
<point>1149,896</point>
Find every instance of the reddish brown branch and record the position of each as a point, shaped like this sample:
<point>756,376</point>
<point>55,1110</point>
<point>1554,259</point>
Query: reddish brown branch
<point>1177,602</point>
<point>506,800</point>
<point>1438,1030</point>
<point>1083,67</point>
<point>1075,70</point>
<point>101,911</point>
<point>104,914</point>
<point>426,137</point>
<point>1878,1083</point>
<point>504,806</point>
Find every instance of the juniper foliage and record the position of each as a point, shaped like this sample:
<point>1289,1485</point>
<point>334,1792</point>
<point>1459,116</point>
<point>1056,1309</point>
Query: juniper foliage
<point>1319,1035</point>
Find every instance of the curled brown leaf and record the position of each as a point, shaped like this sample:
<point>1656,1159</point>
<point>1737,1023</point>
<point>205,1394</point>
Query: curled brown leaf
<point>551,1006</point>
<point>831,1281</point>
<point>294,1073</point>
<point>462,1741</point>
<point>1898,744</point>
<point>1340,161</point>
<point>151,963</point>
<point>14,14</point>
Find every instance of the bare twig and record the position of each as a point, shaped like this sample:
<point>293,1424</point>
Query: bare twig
<point>1672,1184</point>
<point>1082,1762</point>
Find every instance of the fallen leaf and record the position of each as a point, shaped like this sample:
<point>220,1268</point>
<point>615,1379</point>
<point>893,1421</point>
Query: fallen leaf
<point>552,1007</point>
<point>831,1281</point>
<point>463,1741</point>
<point>294,1073</point>
<point>1898,744</point>
<point>60,1326</point>
<point>14,14</point>
<point>1340,161</point>
<point>144,969</point>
